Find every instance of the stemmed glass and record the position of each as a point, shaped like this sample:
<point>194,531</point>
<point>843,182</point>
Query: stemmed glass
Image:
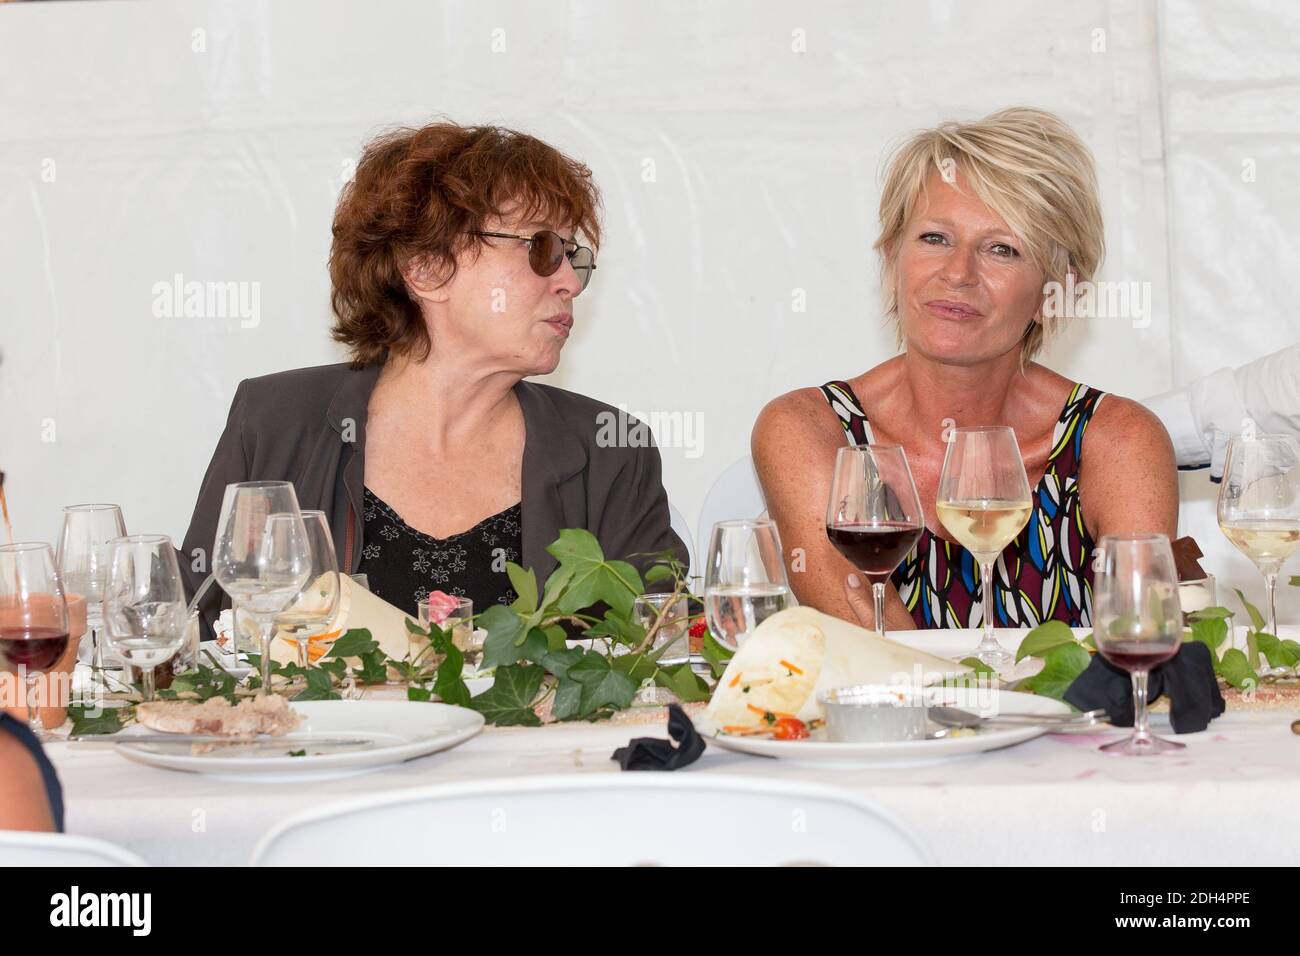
<point>33,618</point>
<point>1139,622</point>
<point>744,580</point>
<point>310,618</point>
<point>144,603</point>
<point>82,559</point>
<point>984,502</point>
<point>261,556</point>
<point>1259,505</point>
<point>874,515</point>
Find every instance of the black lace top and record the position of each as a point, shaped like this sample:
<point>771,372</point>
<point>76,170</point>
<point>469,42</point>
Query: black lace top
<point>403,565</point>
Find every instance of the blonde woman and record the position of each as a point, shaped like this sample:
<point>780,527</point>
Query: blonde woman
<point>975,220</point>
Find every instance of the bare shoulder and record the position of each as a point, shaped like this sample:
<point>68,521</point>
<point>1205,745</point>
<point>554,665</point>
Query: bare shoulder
<point>1122,420</point>
<point>798,419</point>
<point>23,803</point>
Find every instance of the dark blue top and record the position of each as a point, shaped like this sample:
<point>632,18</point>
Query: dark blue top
<point>53,789</point>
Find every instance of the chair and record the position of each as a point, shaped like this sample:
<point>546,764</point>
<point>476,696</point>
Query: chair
<point>20,848</point>
<point>607,819</point>
<point>683,529</point>
<point>735,494</point>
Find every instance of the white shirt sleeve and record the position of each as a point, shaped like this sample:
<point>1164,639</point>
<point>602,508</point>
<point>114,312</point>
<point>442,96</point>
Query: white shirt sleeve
<point>1201,417</point>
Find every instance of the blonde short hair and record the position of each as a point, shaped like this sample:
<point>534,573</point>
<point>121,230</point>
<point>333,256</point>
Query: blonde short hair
<point>1026,165</point>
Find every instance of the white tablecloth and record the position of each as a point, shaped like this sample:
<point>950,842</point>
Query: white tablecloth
<point>1229,798</point>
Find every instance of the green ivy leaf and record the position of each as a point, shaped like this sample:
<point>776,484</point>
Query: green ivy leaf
<point>1207,613</point>
<point>556,638</point>
<point>1210,631</point>
<point>1256,619</point>
<point>319,687</point>
<point>616,583</point>
<point>618,628</point>
<point>357,641</point>
<point>374,667</point>
<point>449,685</point>
<point>504,626</point>
<point>636,666</point>
<point>715,655</point>
<point>602,686</point>
<point>1043,638</point>
<point>509,701</point>
<point>525,585</point>
<point>1274,651</point>
<point>659,572</point>
<point>419,693</point>
<point>86,721</point>
<point>1236,670</point>
<point>683,682</point>
<point>1062,665</point>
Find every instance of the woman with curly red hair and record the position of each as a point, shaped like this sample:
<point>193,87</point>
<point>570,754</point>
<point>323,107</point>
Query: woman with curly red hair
<point>455,263</point>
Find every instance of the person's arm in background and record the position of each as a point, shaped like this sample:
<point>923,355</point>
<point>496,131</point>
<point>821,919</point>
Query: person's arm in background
<point>634,519</point>
<point>24,802</point>
<point>229,464</point>
<point>1204,415</point>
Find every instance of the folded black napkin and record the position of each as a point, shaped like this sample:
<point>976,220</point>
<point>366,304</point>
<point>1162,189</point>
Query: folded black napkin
<point>1187,679</point>
<point>651,753</point>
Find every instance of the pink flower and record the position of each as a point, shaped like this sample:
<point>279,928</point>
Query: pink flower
<point>441,605</point>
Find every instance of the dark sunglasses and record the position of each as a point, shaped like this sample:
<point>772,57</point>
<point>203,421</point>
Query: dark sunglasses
<point>546,250</point>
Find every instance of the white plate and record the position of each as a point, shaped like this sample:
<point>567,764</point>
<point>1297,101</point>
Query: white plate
<point>396,730</point>
<point>850,756</point>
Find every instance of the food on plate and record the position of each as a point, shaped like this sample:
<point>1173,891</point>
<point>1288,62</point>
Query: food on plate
<point>264,714</point>
<point>772,684</point>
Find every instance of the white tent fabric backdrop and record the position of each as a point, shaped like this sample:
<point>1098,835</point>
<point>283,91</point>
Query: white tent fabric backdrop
<point>738,147</point>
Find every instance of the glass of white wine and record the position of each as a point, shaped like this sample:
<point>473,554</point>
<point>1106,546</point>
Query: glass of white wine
<point>984,502</point>
<point>744,581</point>
<point>1259,505</point>
<point>144,603</point>
<point>310,621</point>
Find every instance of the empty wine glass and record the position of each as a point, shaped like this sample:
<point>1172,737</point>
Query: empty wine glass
<point>310,619</point>
<point>1139,622</point>
<point>1259,505</point>
<point>873,516</point>
<point>984,502</point>
<point>82,559</point>
<point>261,556</point>
<point>33,619</point>
<point>744,580</point>
<point>144,603</point>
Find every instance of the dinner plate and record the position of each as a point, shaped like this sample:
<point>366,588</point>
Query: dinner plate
<point>855,756</point>
<point>394,731</point>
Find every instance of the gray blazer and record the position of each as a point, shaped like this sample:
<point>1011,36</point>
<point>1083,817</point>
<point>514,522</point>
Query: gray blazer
<point>308,426</point>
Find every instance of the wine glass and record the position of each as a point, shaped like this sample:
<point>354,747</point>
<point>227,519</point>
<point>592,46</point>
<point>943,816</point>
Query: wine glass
<point>33,618</point>
<point>874,515</point>
<point>984,502</point>
<point>1139,622</point>
<point>82,559</point>
<point>144,603</point>
<point>744,580</point>
<point>311,617</point>
<point>1259,505</point>
<point>261,556</point>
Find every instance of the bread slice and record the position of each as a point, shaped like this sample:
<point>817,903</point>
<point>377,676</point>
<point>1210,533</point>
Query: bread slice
<point>264,714</point>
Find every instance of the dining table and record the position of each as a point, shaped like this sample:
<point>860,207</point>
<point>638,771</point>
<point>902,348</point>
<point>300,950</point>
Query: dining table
<point>1227,798</point>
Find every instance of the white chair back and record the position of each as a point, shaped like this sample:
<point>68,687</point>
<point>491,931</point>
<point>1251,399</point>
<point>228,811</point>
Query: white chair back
<point>61,849</point>
<point>735,494</point>
<point>683,529</point>
<point>609,819</point>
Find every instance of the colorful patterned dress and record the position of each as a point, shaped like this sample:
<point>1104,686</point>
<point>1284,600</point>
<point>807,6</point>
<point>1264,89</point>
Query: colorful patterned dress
<point>1044,574</point>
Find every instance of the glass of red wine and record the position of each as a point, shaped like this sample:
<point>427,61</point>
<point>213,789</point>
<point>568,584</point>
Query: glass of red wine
<point>874,515</point>
<point>1138,623</point>
<point>33,618</point>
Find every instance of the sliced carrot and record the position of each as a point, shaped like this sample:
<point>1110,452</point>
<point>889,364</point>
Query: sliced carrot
<point>734,681</point>
<point>763,713</point>
<point>790,667</point>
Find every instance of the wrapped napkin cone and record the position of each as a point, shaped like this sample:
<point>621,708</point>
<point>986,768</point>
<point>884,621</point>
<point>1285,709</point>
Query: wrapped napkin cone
<point>796,655</point>
<point>358,608</point>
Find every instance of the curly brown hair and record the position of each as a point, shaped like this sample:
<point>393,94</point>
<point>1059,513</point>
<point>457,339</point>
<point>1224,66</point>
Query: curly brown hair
<point>419,193</point>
